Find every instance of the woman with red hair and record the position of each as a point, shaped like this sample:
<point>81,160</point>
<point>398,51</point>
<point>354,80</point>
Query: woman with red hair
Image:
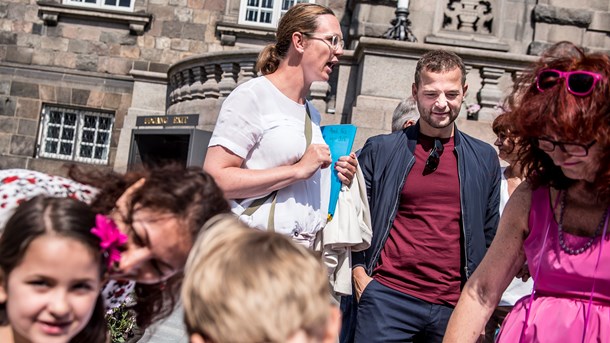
<point>558,218</point>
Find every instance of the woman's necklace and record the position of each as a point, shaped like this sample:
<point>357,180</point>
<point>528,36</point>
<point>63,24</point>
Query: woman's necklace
<point>562,242</point>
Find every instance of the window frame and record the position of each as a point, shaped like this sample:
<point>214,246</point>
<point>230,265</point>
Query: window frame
<point>79,129</point>
<point>276,12</point>
<point>99,4</point>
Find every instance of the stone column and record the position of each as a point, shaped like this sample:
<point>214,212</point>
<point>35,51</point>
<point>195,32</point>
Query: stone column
<point>490,94</point>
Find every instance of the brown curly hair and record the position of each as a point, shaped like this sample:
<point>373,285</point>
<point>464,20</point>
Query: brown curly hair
<point>189,193</point>
<point>556,112</point>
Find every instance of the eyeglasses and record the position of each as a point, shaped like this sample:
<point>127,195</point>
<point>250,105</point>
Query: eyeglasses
<point>572,149</point>
<point>434,157</point>
<point>334,42</point>
<point>578,82</point>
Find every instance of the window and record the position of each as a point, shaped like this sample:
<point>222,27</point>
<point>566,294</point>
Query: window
<point>116,5</point>
<point>265,13</point>
<point>75,135</point>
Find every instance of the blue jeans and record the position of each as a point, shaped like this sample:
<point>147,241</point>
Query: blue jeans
<point>386,315</point>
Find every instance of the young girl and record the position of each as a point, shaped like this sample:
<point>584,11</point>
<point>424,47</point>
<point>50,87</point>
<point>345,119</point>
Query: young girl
<point>52,263</point>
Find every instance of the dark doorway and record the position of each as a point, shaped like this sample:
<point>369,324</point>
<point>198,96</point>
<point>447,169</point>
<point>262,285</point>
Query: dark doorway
<point>160,146</point>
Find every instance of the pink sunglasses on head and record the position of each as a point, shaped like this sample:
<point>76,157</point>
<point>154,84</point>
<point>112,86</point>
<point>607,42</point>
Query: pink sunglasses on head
<point>578,82</point>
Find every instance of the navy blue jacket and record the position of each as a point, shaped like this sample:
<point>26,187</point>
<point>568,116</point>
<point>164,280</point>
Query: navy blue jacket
<point>386,161</point>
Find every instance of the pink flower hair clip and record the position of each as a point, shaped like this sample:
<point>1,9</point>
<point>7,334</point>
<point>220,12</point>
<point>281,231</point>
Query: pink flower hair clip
<point>111,238</point>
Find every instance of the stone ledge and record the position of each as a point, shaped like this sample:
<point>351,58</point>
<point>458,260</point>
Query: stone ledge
<point>562,16</point>
<point>229,33</point>
<point>467,43</point>
<point>50,13</point>
<point>600,22</point>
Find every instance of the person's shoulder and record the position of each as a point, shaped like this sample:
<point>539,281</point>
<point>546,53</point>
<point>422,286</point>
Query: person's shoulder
<point>476,143</point>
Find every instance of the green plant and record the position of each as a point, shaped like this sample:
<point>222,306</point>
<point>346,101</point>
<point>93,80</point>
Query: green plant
<point>121,324</point>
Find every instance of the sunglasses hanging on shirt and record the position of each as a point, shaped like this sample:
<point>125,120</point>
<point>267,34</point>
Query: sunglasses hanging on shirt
<point>434,157</point>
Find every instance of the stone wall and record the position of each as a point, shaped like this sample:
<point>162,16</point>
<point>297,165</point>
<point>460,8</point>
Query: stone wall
<point>24,91</point>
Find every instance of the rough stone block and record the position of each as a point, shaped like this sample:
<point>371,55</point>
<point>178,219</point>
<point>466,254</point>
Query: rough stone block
<point>562,16</point>
<point>27,127</point>
<point>196,4</point>
<point>214,5</point>
<point>22,145</point>
<point>178,3</point>
<point>16,11</point>
<point>47,93</point>
<point>7,106</point>
<point>79,46</point>
<point>163,43</point>
<point>147,42</point>
<point>5,142</point>
<point>159,67</point>
<point>131,52</point>
<point>152,55</point>
<point>172,29</point>
<point>65,59</point>
<point>8,125</point>
<point>8,38</point>
<point>180,45</point>
<point>201,17</point>
<point>118,37</point>
<point>80,96</point>
<point>24,89</point>
<point>84,32</point>
<point>86,62</point>
<point>3,10</point>
<point>111,101</point>
<point>54,43</point>
<point>95,99</point>
<point>27,108</point>
<point>43,58</point>
<point>184,15</point>
<point>193,31</point>
<point>8,162</point>
<point>19,55</point>
<point>5,86</point>
<point>63,95</point>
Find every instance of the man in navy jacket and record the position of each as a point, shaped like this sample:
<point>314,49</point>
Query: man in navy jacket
<point>433,193</point>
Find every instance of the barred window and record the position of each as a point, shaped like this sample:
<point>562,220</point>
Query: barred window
<point>265,12</point>
<point>75,134</point>
<point>116,5</point>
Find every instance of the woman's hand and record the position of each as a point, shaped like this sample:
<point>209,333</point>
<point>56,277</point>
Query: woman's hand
<point>361,280</point>
<point>315,157</point>
<point>346,168</point>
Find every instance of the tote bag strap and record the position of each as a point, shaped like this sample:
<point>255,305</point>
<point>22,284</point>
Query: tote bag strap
<point>256,204</point>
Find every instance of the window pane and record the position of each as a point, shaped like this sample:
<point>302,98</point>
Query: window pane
<point>88,136</point>
<point>104,123</point>
<point>51,147</point>
<point>67,134</point>
<point>286,4</point>
<point>266,17</point>
<point>253,3</point>
<point>267,4</point>
<point>85,151</point>
<point>102,138</point>
<point>65,149</point>
<point>90,121</point>
<point>53,132</point>
<point>251,15</point>
<point>110,2</point>
<point>55,117</point>
<point>70,119</point>
<point>100,153</point>
<point>125,3</point>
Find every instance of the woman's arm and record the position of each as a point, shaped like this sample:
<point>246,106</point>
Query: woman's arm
<point>503,260</point>
<point>238,183</point>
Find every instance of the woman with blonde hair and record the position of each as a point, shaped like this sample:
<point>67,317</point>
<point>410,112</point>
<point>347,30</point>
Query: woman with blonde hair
<point>267,152</point>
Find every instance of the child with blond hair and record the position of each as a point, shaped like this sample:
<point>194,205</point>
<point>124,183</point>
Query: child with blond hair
<point>244,285</point>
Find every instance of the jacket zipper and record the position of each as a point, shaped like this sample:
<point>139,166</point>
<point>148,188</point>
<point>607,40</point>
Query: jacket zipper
<point>462,210</point>
<point>393,214</point>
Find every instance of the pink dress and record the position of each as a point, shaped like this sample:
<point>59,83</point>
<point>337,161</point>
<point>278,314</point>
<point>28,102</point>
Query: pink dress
<point>571,301</point>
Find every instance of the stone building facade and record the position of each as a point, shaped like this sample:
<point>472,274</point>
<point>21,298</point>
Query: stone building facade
<point>112,83</point>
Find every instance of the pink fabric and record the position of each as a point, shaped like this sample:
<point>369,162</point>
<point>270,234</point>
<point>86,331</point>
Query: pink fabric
<point>562,286</point>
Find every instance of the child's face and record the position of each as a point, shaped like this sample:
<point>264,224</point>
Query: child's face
<point>51,294</point>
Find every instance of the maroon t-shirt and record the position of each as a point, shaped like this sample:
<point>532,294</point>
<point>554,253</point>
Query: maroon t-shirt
<point>421,256</point>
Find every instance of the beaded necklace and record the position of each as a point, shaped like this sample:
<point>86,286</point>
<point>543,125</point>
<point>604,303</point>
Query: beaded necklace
<point>562,242</point>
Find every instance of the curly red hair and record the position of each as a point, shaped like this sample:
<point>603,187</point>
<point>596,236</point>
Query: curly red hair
<point>556,112</point>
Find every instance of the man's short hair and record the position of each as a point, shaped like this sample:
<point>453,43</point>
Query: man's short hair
<point>247,285</point>
<point>405,111</point>
<point>439,61</point>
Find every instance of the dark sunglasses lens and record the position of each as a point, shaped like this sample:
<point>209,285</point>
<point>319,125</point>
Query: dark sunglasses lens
<point>580,82</point>
<point>547,79</point>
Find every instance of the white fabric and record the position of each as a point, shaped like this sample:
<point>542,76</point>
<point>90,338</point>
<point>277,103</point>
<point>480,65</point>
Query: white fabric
<point>349,230</point>
<point>517,288</point>
<point>267,129</point>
